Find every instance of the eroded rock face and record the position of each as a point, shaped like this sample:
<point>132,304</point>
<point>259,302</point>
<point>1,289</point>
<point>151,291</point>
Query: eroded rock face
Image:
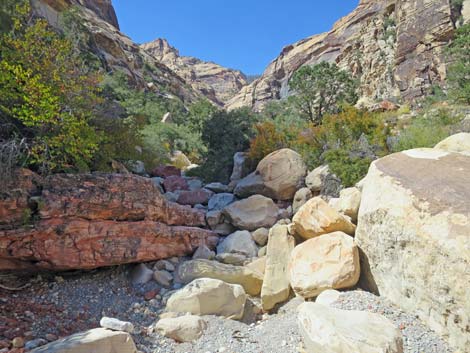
<point>393,47</point>
<point>414,230</point>
<point>219,83</point>
<point>87,221</point>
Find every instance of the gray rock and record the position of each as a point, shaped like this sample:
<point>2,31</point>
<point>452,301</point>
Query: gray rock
<point>224,229</point>
<point>136,167</point>
<point>322,181</point>
<point>158,182</point>
<point>203,252</point>
<point>38,342</point>
<point>220,201</point>
<point>116,325</point>
<point>217,187</point>
<point>240,167</point>
<point>194,184</point>
<point>163,278</point>
<point>213,218</point>
<point>171,196</point>
<point>252,184</point>
<point>164,265</point>
<point>231,258</point>
<point>239,242</point>
<point>301,197</point>
<point>141,274</point>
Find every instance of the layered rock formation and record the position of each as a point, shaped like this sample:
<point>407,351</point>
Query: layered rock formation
<point>218,83</point>
<point>394,47</point>
<point>93,220</point>
<point>115,50</point>
<point>414,231</point>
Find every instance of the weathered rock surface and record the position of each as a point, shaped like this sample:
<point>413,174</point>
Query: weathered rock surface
<point>300,198</point>
<point>316,217</point>
<point>330,261</point>
<point>208,296</point>
<point>283,173</point>
<point>250,280</point>
<point>217,82</point>
<point>413,228</point>
<point>348,202</point>
<point>240,242</point>
<point>276,286</point>
<point>394,47</point>
<point>93,220</point>
<point>116,325</point>
<point>96,340</point>
<point>252,213</point>
<point>456,143</point>
<point>182,329</point>
<point>330,330</point>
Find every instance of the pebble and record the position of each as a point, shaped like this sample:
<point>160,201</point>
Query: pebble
<point>163,278</point>
<point>116,325</point>
<point>17,342</point>
<point>35,343</point>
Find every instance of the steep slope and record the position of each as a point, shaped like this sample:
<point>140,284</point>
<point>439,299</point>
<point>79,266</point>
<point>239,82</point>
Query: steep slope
<point>394,47</point>
<point>217,82</point>
<point>115,50</point>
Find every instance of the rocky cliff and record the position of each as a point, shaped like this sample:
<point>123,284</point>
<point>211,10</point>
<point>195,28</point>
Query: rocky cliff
<point>115,50</point>
<point>216,82</point>
<point>394,47</point>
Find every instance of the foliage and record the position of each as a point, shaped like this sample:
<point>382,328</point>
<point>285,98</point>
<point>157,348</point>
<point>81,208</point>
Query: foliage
<point>46,93</point>
<point>7,9</point>
<point>321,89</point>
<point>268,139</point>
<point>426,130</point>
<point>224,134</point>
<point>459,70</point>
<point>198,113</point>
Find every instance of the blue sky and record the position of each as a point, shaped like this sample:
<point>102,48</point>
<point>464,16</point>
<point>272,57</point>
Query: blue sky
<point>241,34</point>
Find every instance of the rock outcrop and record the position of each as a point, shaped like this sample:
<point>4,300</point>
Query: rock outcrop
<point>91,220</point>
<point>414,232</point>
<point>394,47</point>
<point>218,83</point>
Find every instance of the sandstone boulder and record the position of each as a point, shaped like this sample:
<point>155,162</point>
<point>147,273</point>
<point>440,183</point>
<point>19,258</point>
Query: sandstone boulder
<point>182,329</point>
<point>250,280</point>
<point>316,217</point>
<point>330,330</point>
<point>240,242</point>
<point>96,340</point>
<point>252,213</point>
<point>283,173</point>
<point>208,296</point>
<point>330,261</point>
<point>276,287</point>
<point>349,202</point>
<point>414,231</point>
<point>456,143</point>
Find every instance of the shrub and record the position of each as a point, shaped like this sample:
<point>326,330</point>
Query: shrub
<point>46,92</point>
<point>268,139</point>
<point>321,89</point>
<point>459,71</point>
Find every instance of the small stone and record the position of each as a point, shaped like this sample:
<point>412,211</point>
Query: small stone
<point>35,343</point>
<point>17,342</point>
<point>163,278</point>
<point>141,274</point>
<point>203,252</point>
<point>164,265</point>
<point>150,294</point>
<point>262,252</point>
<point>116,325</point>
<point>231,258</point>
<point>51,337</point>
<point>260,236</point>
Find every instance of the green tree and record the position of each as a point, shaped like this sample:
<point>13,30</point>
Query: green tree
<point>46,94</point>
<point>321,89</point>
<point>7,9</point>
<point>459,70</point>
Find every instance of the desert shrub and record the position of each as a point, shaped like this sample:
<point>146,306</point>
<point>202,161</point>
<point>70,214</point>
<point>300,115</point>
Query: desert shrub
<point>268,139</point>
<point>224,134</point>
<point>459,70</point>
<point>426,130</point>
<point>321,89</point>
<point>46,93</point>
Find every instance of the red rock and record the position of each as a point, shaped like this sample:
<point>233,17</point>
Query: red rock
<point>111,197</point>
<point>151,294</point>
<point>194,197</point>
<point>65,244</point>
<point>387,106</point>
<point>164,171</point>
<point>174,183</point>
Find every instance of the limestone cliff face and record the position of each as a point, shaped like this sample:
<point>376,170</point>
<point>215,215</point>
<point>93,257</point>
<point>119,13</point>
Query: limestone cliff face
<point>115,50</point>
<point>394,47</point>
<point>216,82</point>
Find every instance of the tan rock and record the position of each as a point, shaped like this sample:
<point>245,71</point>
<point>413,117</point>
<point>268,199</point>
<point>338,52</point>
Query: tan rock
<point>207,296</point>
<point>182,329</point>
<point>250,280</point>
<point>283,173</point>
<point>96,340</point>
<point>316,217</point>
<point>260,236</point>
<point>456,143</point>
<point>349,202</point>
<point>252,213</point>
<point>330,261</point>
<point>276,287</point>
<point>300,198</point>
<point>414,230</point>
<point>330,330</point>
<point>258,265</point>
